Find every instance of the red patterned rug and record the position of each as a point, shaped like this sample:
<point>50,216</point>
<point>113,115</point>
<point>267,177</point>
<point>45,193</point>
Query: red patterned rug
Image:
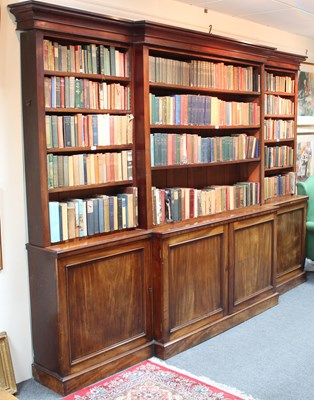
<point>154,380</point>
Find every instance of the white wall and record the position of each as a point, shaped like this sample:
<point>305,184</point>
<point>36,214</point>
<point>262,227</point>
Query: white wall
<point>14,292</point>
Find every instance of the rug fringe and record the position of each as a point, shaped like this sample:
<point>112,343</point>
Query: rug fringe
<point>204,379</point>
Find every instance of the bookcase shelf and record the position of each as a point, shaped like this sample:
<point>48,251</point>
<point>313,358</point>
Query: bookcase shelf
<point>217,128</point>
<point>60,110</point>
<point>282,94</point>
<point>87,187</point>
<point>279,116</point>
<point>267,141</point>
<point>95,77</point>
<point>113,290</point>
<point>200,165</point>
<point>283,167</point>
<point>92,149</point>
<point>195,89</point>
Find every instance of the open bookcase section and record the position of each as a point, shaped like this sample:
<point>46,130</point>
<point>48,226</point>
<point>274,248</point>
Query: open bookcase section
<point>145,145</point>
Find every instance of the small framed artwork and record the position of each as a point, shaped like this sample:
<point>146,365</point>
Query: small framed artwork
<point>304,158</point>
<point>305,98</point>
<point>7,379</point>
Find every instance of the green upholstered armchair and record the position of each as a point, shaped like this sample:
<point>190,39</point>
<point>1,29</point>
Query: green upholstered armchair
<point>307,188</point>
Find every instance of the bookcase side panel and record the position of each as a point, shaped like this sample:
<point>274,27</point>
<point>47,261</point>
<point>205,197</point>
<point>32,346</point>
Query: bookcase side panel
<point>43,277</point>
<point>34,138</point>
<point>142,145</point>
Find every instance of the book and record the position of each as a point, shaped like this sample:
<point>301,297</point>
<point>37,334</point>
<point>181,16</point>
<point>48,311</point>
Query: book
<point>54,222</point>
<point>90,217</point>
<point>63,214</point>
<point>95,215</point>
<point>71,220</point>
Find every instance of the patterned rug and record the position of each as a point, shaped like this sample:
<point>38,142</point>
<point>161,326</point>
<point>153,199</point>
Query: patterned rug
<point>155,380</point>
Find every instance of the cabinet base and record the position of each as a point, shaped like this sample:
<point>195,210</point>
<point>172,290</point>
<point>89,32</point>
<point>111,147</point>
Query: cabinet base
<point>68,384</point>
<point>170,349</point>
<point>290,281</point>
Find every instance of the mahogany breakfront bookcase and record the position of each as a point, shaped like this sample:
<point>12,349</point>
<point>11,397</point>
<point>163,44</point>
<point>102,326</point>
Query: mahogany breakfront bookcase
<point>103,302</point>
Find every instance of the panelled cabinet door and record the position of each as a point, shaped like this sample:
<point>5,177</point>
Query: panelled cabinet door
<point>252,261</point>
<point>103,313</point>
<point>290,244</point>
<point>190,286</point>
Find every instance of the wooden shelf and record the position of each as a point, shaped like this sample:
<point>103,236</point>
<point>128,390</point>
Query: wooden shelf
<point>92,149</point>
<point>213,164</point>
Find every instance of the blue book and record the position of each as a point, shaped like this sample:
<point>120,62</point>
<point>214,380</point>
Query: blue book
<point>101,219</point>
<point>174,193</point>
<point>212,150</point>
<point>53,92</point>
<point>178,109</point>
<point>207,112</point>
<point>54,219</point>
<point>152,150</point>
<point>203,158</point>
<point>90,216</point>
<point>96,215</point>
<point>111,213</point>
<point>95,129</point>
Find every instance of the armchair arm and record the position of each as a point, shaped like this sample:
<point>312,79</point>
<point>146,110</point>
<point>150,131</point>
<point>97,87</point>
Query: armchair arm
<point>310,226</point>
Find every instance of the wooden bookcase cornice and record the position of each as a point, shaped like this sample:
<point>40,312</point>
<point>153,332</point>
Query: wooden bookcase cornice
<point>167,36</point>
<point>59,19</point>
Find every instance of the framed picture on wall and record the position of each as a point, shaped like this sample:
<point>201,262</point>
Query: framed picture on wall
<point>7,379</point>
<point>306,98</point>
<point>304,159</point>
<point>305,122</point>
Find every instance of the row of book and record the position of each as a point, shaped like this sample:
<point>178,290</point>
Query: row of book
<point>77,218</point>
<point>188,109</point>
<point>279,185</point>
<point>278,105</point>
<point>177,204</point>
<point>88,130</point>
<point>277,83</point>
<point>179,149</point>
<point>276,129</point>
<point>87,58</point>
<point>204,74</point>
<point>278,156</point>
<point>71,92</point>
<point>89,169</point>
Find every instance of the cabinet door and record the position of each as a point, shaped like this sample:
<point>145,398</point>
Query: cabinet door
<point>107,302</point>
<point>190,287</point>
<point>290,245</point>
<point>103,321</point>
<point>252,261</point>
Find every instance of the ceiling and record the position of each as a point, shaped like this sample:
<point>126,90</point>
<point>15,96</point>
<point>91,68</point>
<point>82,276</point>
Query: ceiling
<point>294,16</point>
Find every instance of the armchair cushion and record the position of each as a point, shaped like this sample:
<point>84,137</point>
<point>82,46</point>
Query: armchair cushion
<point>307,188</point>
